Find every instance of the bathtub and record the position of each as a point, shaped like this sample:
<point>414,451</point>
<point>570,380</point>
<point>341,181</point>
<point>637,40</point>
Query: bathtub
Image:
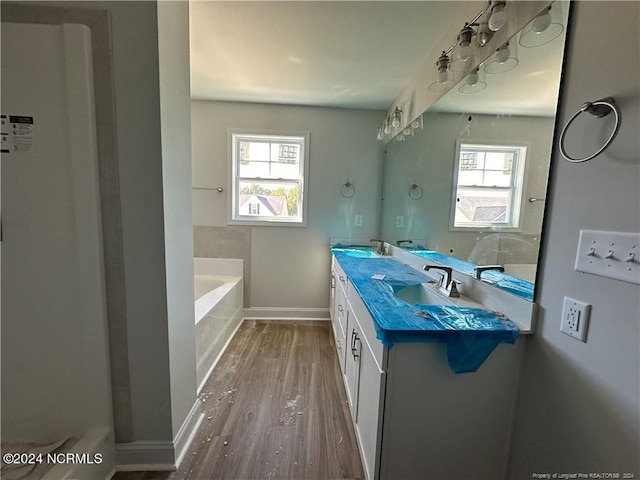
<point>218,292</point>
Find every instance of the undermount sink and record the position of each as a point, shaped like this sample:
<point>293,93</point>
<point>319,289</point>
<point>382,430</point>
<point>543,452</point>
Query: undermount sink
<point>357,253</point>
<point>429,294</point>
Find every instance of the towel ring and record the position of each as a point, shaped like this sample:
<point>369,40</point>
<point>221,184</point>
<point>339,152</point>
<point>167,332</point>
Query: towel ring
<point>346,188</point>
<point>419,192</point>
<point>599,109</point>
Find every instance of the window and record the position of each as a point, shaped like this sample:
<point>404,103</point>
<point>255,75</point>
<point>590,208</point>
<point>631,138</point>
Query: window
<point>268,173</point>
<point>488,186</point>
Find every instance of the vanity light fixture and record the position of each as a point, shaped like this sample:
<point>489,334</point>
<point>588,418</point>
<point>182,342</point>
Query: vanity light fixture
<point>443,81</point>
<point>498,16</point>
<point>464,54</point>
<point>474,83</point>
<point>542,29</point>
<point>396,118</point>
<point>505,59</point>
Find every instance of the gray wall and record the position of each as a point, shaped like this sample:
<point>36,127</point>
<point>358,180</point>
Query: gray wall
<point>342,148</point>
<point>578,407</point>
<point>175,110</point>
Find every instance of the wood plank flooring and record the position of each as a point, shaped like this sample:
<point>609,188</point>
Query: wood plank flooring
<point>275,408</point>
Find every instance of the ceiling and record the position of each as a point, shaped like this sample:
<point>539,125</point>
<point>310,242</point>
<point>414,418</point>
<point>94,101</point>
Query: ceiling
<point>349,54</point>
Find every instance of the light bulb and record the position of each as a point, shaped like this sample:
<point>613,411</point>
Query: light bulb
<point>498,17</point>
<point>473,78</point>
<point>407,132</point>
<point>443,76</point>
<point>400,138</point>
<point>387,127</point>
<point>465,52</point>
<point>542,22</point>
<point>380,133</point>
<point>416,123</point>
<point>503,54</point>
<point>395,123</point>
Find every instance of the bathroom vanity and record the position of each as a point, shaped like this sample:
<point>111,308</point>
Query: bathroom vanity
<point>413,416</point>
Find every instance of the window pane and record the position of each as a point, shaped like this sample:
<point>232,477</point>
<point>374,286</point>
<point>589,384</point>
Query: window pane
<point>499,161</point>
<point>499,179</point>
<point>470,177</point>
<point>483,205</point>
<point>254,169</point>
<point>255,151</point>
<point>269,199</point>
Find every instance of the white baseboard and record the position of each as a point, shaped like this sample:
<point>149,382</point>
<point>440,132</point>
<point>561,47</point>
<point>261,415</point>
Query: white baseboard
<point>160,456</point>
<point>279,313</point>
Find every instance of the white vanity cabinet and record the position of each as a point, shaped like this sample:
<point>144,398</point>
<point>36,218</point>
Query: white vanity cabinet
<point>339,310</point>
<point>414,418</point>
<point>365,384</point>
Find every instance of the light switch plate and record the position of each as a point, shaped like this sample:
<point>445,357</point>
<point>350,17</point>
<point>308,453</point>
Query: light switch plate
<point>358,220</point>
<point>609,254</point>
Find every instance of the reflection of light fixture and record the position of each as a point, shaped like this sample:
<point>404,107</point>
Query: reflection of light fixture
<point>443,82</point>
<point>464,54</point>
<point>407,131</point>
<point>498,17</point>
<point>396,117</point>
<point>542,29</point>
<point>386,127</point>
<point>505,59</point>
<point>474,83</point>
<point>484,33</point>
<point>417,124</point>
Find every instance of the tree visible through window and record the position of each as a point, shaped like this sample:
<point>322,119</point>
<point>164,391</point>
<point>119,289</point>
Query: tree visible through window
<point>488,186</point>
<point>268,177</point>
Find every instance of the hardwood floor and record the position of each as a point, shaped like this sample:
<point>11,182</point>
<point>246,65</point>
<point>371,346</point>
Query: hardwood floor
<point>275,408</point>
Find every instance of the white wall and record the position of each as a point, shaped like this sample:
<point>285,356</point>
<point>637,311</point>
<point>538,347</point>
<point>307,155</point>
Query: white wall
<point>290,265</point>
<point>578,407</point>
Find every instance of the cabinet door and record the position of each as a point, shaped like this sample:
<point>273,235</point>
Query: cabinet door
<point>352,363</point>
<point>368,419</point>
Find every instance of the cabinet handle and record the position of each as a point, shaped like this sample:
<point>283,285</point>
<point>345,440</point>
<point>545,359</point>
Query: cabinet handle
<point>340,309</point>
<point>333,281</point>
<point>341,278</point>
<point>338,345</point>
<point>354,339</point>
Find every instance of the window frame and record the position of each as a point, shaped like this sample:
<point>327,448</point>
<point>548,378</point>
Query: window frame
<point>517,187</point>
<point>234,135</point>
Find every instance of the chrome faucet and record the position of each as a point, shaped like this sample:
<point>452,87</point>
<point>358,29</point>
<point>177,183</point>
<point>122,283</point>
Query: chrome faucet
<point>483,268</point>
<point>446,284</point>
<point>380,243</point>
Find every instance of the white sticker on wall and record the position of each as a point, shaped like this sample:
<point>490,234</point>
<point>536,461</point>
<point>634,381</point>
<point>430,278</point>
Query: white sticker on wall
<point>17,133</point>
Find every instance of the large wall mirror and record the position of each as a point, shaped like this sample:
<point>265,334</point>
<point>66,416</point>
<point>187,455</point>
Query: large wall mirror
<point>471,182</point>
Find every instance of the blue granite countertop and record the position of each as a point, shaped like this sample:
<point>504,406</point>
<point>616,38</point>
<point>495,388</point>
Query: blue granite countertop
<point>471,334</point>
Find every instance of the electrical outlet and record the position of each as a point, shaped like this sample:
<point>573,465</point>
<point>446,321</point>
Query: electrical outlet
<point>358,221</point>
<point>575,318</point>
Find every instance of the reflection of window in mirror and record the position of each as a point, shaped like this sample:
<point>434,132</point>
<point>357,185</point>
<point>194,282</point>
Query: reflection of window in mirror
<point>488,185</point>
